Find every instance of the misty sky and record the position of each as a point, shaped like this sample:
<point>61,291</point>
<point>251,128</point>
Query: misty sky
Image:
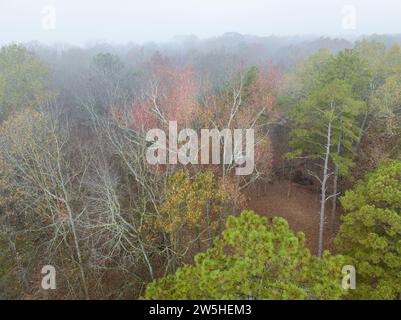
<point>119,21</point>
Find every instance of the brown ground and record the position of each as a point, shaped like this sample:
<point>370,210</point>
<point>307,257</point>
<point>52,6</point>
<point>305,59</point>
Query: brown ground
<point>298,204</point>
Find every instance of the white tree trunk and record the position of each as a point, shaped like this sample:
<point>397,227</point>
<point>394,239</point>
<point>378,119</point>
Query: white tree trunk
<point>324,189</point>
<point>335,193</point>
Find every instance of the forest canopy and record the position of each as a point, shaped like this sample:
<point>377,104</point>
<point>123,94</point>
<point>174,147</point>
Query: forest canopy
<point>77,191</point>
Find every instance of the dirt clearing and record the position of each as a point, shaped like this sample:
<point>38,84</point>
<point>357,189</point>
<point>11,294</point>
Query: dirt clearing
<point>298,204</point>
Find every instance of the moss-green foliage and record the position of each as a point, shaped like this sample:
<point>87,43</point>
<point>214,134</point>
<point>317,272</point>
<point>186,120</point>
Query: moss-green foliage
<point>24,80</point>
<point>387,107</point>
<point>371,232</point>
<point>254,260</point>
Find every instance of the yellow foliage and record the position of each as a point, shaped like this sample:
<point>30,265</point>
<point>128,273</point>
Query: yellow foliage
<point>187,201</point>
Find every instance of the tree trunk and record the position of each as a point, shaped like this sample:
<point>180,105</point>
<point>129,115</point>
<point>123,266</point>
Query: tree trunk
<point>335,189</point>
<point>209,230</point>
<point>323,190</point>
<point>145,256</point>
<point>77,250</point>
<point>362,128</point>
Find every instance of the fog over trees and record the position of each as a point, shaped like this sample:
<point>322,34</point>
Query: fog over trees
<point>77,192</point>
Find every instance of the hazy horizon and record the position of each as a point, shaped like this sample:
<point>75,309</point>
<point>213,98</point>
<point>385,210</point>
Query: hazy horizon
<point>122,21</point>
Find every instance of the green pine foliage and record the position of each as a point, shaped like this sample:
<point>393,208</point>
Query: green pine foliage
<point>371,232</point>
<point>253,259</point>
<point>334,102</point>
